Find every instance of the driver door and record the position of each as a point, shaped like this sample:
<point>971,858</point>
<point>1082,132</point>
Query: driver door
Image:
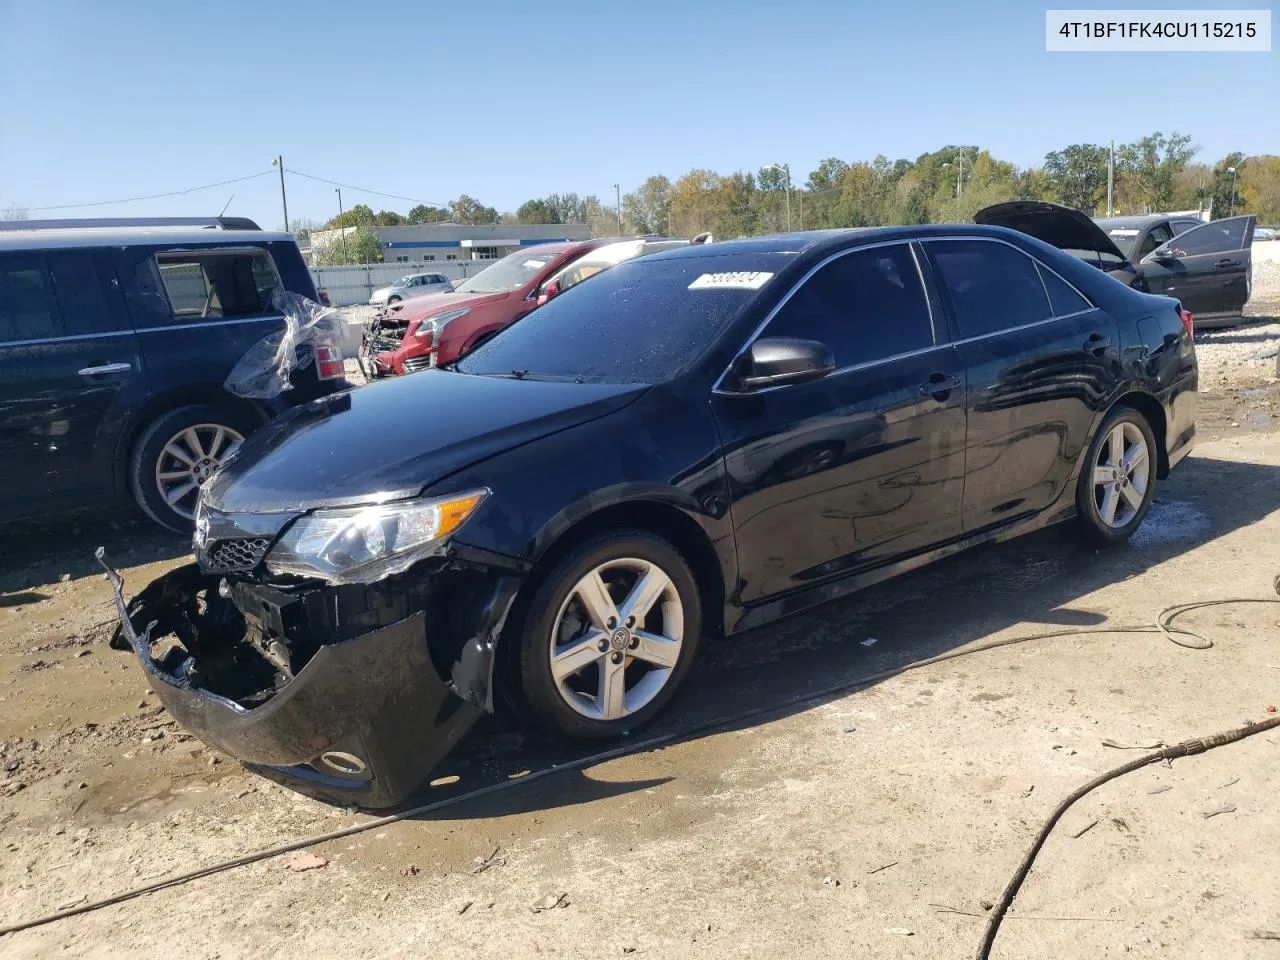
<point>1208,267</point>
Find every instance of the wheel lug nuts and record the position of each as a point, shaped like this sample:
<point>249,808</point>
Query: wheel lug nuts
<point>616,658</point>
<point>613,622</point>
<point>603,645</point>
<point>631,621</point>
<point>635,642</point>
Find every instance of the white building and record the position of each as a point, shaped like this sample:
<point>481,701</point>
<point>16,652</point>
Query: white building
<point>442,242</point>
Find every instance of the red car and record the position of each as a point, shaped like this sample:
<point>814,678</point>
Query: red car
<point>438,328</point>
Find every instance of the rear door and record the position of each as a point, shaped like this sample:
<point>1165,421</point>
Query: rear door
<point>198,311</point>
<point>1039,359</point>
<point>70,376</point>
<point>1208,267</point>
<point>848,472</point>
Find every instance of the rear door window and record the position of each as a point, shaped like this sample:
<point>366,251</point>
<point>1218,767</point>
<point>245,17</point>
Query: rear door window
<point>1063,298</point>
<point>866,306</point>
<point>82,285</point>
<point>991,286</point>
<point>217,284</point>
<point>28,310</point>
<point>1216,237</point>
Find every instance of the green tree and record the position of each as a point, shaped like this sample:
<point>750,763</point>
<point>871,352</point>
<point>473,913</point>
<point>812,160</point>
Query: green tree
<point>359,215</point>
<point>425,214</point>
<point>1220,182</point>
<point>388,218</point>
<point>1258,188</point>
<point>537,211</point>
<point>648,209</point>
<point>1147,169</point>
<point>469,210</point>
<point>358,245</point>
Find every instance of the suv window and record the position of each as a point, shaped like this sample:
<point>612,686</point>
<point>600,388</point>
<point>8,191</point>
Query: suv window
<point>1182,226</point>
<point>27,307</point>
<point>215,284</point>
<point>992,286</point>
<point>1063,298</point>
<point>1158,235</point>
<point>79,280</point>
<point>865,306</point>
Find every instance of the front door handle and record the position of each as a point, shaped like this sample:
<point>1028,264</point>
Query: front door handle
<point>1097,344</point>
<point>99,369</point>
<point>1224,264</point>
<point>939,386</point>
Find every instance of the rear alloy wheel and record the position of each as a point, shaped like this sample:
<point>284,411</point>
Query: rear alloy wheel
<point>1119,477</point>
<point>611,635</point>
<point>394,299</point>
<point>177,455</point>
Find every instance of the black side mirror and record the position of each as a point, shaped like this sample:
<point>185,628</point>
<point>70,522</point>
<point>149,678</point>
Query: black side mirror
<point>776,361</point>
<point>1164,255</point>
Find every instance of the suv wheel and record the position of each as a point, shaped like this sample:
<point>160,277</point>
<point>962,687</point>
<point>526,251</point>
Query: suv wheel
<point>610,635</point>
<point>1118,479</point>
<point>177,454</point>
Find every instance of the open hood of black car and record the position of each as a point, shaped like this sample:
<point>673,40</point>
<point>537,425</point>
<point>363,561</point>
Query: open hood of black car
<point>391,439</point>
<point>1062,227</point>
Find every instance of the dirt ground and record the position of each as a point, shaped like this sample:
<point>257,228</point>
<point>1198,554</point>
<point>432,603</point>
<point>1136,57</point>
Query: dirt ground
<point>878,823</point>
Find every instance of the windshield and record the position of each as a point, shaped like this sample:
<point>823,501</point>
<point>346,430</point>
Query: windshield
<point>510,273</point>
<point>639,322</point>
<point>1124,238</point>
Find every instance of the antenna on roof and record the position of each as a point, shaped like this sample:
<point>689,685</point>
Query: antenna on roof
<point>225,205</point>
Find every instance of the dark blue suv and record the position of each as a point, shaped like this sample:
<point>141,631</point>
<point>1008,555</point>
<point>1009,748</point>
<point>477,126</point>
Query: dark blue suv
<point>116,337</point>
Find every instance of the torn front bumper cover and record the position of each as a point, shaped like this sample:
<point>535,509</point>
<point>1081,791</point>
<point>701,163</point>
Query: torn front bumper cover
<point>361,723</point>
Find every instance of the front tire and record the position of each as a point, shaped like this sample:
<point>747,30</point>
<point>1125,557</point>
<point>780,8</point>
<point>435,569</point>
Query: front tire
<point>610,636</point>
<point>1118,479</point>
<point>177,454</point>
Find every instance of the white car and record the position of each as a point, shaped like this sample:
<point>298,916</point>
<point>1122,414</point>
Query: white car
<point>413,285</point>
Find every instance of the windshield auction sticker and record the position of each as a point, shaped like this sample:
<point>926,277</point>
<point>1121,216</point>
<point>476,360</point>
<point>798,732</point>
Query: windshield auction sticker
<point>741,280</point>
<point>1136,31</point>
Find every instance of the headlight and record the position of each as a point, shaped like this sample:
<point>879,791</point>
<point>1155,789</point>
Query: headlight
<point>364,544</point>
<point>433,325</point>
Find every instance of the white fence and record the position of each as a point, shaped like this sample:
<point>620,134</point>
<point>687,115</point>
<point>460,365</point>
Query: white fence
<point>355,284</point>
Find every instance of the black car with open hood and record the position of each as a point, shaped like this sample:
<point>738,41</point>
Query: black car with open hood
<point>1207,266</point>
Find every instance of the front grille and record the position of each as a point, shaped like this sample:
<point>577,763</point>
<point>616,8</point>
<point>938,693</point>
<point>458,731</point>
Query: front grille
<point>241,553</point>
<point>414,364</point>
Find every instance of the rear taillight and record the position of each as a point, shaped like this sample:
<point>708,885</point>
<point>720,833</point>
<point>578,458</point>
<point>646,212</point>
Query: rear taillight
<point>1188,322</point>
<point>329,363</point>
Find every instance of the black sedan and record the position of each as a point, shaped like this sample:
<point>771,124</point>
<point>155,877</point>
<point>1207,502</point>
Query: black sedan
<point>694,443</point>
<point>1207,266</point>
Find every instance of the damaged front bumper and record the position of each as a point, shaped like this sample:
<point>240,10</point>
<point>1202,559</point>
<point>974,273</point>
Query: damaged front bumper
<point>358,718</point>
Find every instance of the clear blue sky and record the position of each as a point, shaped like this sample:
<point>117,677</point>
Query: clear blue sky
<point>511,100</point>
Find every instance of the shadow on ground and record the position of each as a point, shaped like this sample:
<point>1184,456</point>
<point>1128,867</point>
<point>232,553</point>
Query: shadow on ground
<point>1036,581</point>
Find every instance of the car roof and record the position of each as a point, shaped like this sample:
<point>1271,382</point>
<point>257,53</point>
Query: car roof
<point>817,242</point>
<point>75,237</point>
<point>1131,223</point>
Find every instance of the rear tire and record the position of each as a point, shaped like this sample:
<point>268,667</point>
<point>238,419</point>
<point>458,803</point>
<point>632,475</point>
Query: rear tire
<point>166,485</point>
<point>1118,479</point>
<point>588,680</point>
<point>395,299</point>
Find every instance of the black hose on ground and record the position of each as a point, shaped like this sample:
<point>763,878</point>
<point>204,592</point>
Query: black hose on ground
<point>1163,625</point>
<point>1185,749</point>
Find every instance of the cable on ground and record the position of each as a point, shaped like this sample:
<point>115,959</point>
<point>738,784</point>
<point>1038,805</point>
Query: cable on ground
<point>1163,625</point>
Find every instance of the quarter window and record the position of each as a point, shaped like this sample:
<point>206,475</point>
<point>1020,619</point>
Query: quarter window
<point>1063,298</point>
<point>865,306</point>
<point>215,285</point>
<point>27,307</point>
<point>992,286</point>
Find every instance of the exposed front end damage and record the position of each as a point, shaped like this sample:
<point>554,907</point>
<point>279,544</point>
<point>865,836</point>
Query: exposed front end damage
<point>351,693</point>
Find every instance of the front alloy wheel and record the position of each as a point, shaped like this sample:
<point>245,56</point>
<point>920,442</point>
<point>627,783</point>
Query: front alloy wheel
<point>609,635</point>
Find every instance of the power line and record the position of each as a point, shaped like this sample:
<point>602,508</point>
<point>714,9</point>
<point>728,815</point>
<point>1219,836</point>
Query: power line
<point>377,193</point>
<point>156,196</point>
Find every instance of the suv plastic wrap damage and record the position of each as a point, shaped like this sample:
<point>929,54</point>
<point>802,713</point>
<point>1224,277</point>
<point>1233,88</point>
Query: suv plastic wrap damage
<point>352,693</point>
<point>312,334</point>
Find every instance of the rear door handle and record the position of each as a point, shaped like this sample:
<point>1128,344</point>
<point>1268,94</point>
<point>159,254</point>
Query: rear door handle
<point>1097,344</point>
<point>99,369</point>
<point>939,386</point>
<point>1223,264</point>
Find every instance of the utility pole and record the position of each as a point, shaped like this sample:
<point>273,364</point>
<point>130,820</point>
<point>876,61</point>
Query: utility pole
<point>617,190</point>
<point>1111,176</point>
<point>1232,209</point>
<point>783,168</point>
<point>960,175</point>
<point>279,162</point>
<point>343,233</point>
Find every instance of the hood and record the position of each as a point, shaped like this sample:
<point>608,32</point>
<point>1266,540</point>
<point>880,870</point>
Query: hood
<point>391,439</point>
<point>1062,227</point>
<point>418,308</point>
